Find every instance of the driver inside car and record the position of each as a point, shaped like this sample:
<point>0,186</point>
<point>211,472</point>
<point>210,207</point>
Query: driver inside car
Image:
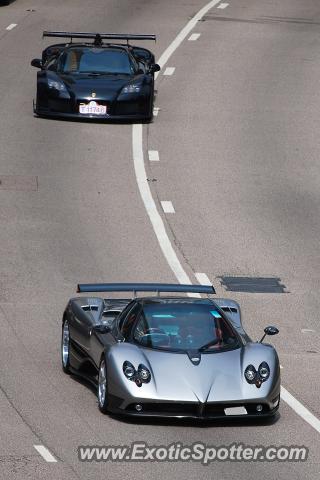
<point>195,332</point>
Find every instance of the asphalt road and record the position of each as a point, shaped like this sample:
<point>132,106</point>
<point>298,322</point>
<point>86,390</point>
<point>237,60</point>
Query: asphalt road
<point>238,146</point>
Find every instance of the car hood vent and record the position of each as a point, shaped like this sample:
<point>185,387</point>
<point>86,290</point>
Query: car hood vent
<point>90,308</point>
<point>229,309</point>
<point>194,356</point>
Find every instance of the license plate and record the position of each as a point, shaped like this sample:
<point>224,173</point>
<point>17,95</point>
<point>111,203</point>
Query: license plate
<point>92,108</point>
<point>235,411</point>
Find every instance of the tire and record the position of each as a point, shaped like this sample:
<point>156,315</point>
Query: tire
<point>65,347</point>
<point>149,119</point>
<point>102,393</point>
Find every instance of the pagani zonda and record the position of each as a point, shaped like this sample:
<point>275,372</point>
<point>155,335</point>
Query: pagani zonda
<point>96,80</point>
<point>169,356</point>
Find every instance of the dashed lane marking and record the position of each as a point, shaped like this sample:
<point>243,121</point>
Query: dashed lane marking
<point>169,71</point>
<point>193,37</point>
<point>45,454</point>
<point>153,155</point>
<point>167,206</point>
<point>11,26</point>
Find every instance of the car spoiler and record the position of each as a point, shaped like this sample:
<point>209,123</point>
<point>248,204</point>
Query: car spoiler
<point>98,37</point>
<point>144,287</point>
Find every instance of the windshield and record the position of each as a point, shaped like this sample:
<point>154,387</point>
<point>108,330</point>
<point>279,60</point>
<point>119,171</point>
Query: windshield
<point>184,326</point>
<point>97,61</point>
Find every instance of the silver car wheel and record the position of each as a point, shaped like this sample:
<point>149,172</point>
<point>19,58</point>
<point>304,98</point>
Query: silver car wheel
<point>102,388</point>
<point>65,344</point>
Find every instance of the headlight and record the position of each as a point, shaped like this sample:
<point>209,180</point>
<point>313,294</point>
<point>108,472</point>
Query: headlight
<point>57,85</point>
<point>250,373</point>
<point>132,88</point>
<point>264,371</point>
<point>129,370</point>
<point>144,373</point>
<point>140,376</point>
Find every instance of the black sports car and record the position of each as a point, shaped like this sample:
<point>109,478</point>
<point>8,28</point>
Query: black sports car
<point>97,80</point>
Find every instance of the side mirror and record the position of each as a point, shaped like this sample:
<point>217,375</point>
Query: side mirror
<point>36,62</point>
<point>154,68</point>
<point>269,331</point>
<point>102,328</point>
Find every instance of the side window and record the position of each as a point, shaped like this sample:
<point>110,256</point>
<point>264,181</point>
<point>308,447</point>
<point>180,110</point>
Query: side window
<point>52,64</point>
<point>141,328</point>
<point>142,67</point>
<point>129,320</point>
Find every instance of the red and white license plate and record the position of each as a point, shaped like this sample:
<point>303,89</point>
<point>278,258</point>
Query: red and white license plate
<point>92,108</point>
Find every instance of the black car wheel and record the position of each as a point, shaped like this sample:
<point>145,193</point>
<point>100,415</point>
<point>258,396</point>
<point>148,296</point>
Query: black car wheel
<point>103,387</point>
<point>65,347</point>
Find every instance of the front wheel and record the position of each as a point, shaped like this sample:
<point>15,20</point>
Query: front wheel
<point>65,347</point>
<point>103,387</point>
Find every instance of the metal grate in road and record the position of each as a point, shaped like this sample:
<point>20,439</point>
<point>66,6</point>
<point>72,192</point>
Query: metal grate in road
<point>19,183</point>
<point>253,284</point>
<point>261,20</point>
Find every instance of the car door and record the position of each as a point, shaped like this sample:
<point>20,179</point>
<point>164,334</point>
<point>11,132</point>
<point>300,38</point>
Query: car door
<point>82,326</point>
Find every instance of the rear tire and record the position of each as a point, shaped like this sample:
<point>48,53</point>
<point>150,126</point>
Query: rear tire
<point>65,347</point>
<point>103,387</point>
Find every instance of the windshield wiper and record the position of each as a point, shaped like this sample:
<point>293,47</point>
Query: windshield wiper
<point>208,345</point>
<point>96,74</point>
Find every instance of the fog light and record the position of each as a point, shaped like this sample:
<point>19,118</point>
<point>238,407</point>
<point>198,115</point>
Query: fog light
<point>138,407</point>
<point>259,408</point>
<point>258,383</point>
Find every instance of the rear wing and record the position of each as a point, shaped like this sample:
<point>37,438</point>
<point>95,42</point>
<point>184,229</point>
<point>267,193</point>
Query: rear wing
<point>144,287</point>
<point>99,37</point>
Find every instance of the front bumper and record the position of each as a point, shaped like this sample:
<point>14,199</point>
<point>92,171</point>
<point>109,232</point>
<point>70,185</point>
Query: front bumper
<point>117,110</point>
<point>96,118</point>
<point>192,410</point>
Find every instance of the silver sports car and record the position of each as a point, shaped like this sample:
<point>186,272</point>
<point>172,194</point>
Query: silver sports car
<point>172,356</point>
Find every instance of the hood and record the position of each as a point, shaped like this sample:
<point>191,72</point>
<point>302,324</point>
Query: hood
<point>202,382</point>
<point>106,87</point>
<point>219,377</point>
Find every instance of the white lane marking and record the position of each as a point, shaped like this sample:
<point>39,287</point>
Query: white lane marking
<point>300,409</point>
<point>149,203</point>
<point>11,26</point>
<point>167,206</point>
<point>44,452</point>
<point>153,155</point>
<point>183,33</point>
<point>169,71</point>
<point>223,5</point>
<point>307,330</point>
<point>193,37</point>
<point>156,111</point>
<point>140,171</point>
<point>203,279</point>
<point>150,206</point>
